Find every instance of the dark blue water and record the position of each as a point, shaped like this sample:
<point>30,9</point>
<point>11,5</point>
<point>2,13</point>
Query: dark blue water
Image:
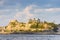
<point>29,37</point>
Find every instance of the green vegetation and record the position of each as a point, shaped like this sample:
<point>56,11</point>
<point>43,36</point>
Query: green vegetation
<point>32,25</point>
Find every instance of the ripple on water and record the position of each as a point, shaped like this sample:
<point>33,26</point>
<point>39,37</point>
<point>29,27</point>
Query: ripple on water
<point>29,37</point>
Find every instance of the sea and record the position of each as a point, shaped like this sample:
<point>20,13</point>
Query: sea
<point>28,37</point>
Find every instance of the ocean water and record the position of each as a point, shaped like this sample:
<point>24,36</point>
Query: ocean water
<point>29,37</point>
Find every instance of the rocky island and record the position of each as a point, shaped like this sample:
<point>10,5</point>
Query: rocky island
<point>33,26</point>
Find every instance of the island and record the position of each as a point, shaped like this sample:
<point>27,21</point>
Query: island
<point>33,26</point>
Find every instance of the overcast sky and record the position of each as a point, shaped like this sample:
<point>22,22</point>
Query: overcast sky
<point>22,10</point>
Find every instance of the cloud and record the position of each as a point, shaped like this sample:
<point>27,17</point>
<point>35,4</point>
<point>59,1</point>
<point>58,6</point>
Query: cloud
<point>50,10</point>
<point>1,2</point>
<point>6,15</point>
<point>27,11</point>
<point>24,14</point>
<point>34,11</point>
<point>4,20</point>
<point>6,11</point>
<point>31,11</point>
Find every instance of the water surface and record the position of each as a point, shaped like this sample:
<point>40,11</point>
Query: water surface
<point>29,37</point>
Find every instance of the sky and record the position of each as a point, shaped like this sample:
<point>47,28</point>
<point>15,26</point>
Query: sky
<point>22,10</point>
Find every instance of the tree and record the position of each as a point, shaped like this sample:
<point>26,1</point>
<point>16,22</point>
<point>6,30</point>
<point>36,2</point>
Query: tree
<point>13,24</point>
<point>38,21</point>
<point>55,28</point>
<point>34,26</point>
<point>22,24</point>
<point>30,21</point>
<point>42,27</point>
